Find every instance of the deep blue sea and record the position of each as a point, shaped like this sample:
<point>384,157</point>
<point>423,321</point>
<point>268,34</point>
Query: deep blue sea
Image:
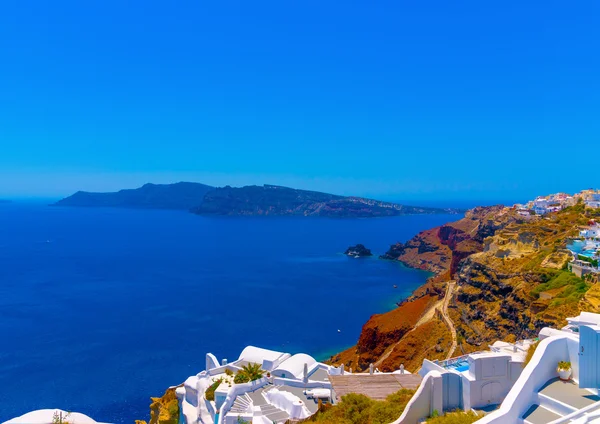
<point>102,308</point>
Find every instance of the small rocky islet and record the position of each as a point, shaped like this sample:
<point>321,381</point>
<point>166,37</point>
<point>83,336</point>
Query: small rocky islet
<point>358,251</point>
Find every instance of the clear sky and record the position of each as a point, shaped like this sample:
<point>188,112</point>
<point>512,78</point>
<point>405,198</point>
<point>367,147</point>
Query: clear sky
<point>391,99</point>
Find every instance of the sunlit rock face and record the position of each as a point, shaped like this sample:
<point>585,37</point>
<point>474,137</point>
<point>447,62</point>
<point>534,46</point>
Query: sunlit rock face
<point>49,416</point>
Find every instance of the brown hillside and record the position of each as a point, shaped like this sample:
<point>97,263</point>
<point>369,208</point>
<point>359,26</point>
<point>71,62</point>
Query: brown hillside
<point>510,284</point>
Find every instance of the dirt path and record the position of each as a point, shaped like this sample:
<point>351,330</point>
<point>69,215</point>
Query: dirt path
<point>428,316</point>
<point>449,323</point>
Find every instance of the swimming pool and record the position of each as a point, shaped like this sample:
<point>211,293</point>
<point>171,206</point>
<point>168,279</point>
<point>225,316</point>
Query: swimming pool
<point>459,366</point>
<point>582,248</point>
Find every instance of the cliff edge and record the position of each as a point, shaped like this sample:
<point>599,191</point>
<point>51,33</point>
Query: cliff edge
<point>498,276</point>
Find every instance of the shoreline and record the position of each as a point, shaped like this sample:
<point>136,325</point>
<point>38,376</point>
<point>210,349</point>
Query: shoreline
<point>328,355</point>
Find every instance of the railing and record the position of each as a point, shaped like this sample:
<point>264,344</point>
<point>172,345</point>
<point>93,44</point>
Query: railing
<point>280,381</point>
<point>590,412</point>
<point>237,390</point>
<point>452,361</point>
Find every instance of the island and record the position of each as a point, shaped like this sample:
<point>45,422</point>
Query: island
<point>265,200</point>
<point>181,195</point>
<point>358,251</point>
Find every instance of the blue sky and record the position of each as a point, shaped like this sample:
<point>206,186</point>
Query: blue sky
<point>391,99</point>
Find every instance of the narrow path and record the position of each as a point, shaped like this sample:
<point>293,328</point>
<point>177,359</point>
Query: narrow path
<point>428,316</point>
<point>449,323</point>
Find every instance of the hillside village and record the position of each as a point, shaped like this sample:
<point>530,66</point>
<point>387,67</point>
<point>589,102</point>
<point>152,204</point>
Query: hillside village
<point>586,248</point>
<point>555,202</point>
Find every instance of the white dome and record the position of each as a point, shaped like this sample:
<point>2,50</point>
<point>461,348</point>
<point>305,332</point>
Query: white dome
<point>294,366</point>
<point>45,416</point>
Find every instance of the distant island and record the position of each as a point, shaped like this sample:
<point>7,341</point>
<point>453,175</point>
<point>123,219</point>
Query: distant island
<point>266,200</point>
<point>182,195</point>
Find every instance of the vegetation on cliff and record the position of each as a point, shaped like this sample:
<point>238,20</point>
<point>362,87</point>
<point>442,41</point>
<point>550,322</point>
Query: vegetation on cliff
<point>456,417</point>
<point>164,410</point>
<point>359,409</point>
<point>511,281</point>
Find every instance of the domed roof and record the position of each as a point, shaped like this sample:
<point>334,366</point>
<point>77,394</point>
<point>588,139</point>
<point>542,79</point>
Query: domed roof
<point>46,416</point>
<point>295,365</point>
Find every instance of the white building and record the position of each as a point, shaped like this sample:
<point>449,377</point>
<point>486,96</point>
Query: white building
<point>286,390</point>
<point>541,205</point>
<point>48,416</point>
<point>533,395</point>
<point>472,381</point>
<point>590,232</point>
<point>593,204</point>
<point>539,396</point>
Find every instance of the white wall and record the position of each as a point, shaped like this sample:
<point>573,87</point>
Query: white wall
<point>427,398</point>
<point>494,375</point>
<point>234,418</point>
<point>429,366</point>
<point>237,390</point>
<point>211,361</point>
<point>187,396</point>
<point>299,383</point>
<point>288,402</point>
<point>540,369</point>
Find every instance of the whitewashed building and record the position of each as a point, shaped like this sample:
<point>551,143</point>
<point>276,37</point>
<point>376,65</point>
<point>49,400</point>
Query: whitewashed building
<point>590,232</point>
<point>50,416</point>
<point>286,390</point>
<point>540,397</point>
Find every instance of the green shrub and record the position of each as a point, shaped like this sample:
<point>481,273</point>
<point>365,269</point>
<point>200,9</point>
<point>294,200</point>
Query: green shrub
<point>248,373</point>
<point>456,417</point>
<point>593,262</point>
<point>210,392</point>
<point>241,377</point>
<point>564,365</point>
<point>59,418</point>
<point>359,409</point>
<point>530,353</point>
<point>574,287</point>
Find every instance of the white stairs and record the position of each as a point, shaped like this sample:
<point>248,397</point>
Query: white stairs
<point>557,399</point>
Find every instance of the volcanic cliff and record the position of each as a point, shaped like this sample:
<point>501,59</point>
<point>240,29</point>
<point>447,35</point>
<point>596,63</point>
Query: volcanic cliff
<point>505,276</point>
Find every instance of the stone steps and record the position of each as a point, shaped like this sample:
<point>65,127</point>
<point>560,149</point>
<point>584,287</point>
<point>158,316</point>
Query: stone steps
<point>537,414</point>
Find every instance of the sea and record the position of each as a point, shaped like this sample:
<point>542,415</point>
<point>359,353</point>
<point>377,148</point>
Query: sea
<point>102,308</point>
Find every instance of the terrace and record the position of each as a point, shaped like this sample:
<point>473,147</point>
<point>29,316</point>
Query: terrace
<point>260,386</point>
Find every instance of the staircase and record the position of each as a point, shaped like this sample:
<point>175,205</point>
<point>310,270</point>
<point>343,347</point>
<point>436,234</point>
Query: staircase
<point>242,404</point>
<point>557,399</point>
<point>246,403</point>
<point>274,414</point>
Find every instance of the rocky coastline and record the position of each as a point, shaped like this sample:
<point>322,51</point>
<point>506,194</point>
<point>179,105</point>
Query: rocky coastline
<point>500,263</point>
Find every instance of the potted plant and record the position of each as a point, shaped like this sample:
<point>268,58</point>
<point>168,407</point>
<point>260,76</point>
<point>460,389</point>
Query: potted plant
<point>564,370</point>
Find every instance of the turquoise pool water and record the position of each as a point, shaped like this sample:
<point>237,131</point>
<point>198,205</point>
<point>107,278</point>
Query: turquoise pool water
<point>460,366</point>
<point>578,247</point>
